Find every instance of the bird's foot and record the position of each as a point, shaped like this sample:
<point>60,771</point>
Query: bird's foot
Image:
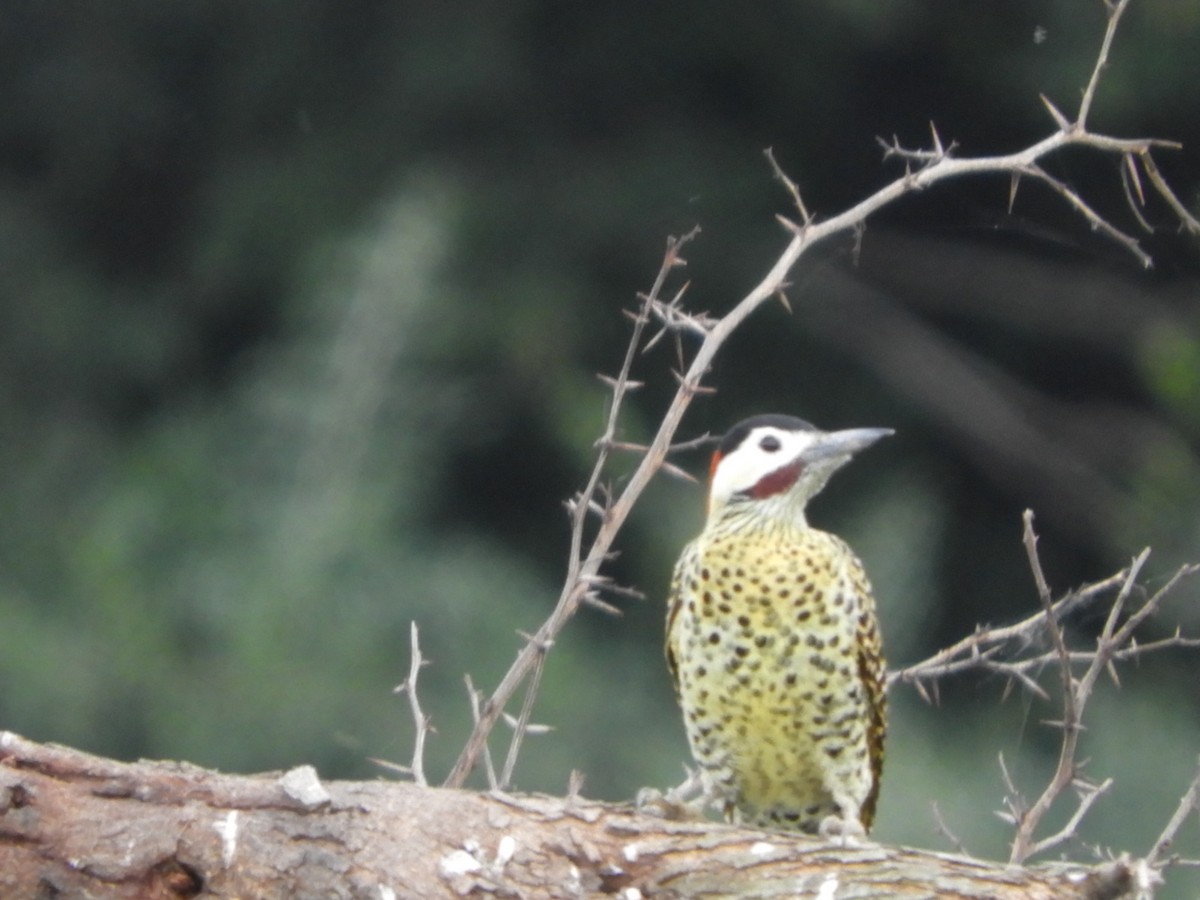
<point>845,831</point>
<point>654,802</point>
<point>685,801</point>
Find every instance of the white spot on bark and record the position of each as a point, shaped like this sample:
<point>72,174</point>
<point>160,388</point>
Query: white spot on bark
<point>631,852</point>
<point>458,862</point>
<point>828,888</point>
<point>505,850</point>
<point>227,828</point>
<point>761,848</point>
<point>574,881</point>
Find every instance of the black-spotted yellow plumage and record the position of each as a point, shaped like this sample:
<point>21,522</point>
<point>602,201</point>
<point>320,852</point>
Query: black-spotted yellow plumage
<point>772,639</point>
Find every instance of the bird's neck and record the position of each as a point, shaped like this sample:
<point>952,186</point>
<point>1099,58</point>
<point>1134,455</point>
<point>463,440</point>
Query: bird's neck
<point>781,513</point>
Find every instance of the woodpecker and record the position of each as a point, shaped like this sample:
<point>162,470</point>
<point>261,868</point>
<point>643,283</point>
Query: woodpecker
<point>772,639</point>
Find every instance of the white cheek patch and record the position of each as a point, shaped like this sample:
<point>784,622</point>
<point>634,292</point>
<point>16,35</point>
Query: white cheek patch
<point>743,468</point>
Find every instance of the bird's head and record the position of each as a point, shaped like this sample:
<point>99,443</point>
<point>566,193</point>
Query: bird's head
<point>773,465</point>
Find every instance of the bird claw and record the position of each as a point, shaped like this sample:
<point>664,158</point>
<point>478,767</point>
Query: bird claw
<point>670,805</point>
<point>844,831</point>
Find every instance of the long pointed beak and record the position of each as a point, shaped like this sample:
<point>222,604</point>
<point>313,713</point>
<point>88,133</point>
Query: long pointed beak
<point>843,443</point>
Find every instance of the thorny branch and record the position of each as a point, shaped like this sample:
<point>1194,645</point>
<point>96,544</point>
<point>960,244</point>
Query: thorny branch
<point>924,169</point>
<point>1190,802</point>
<point>583,572</point>
<point>982,649</point>
<point>1074,700</point>
<point>408,687</point>
<point>1116,643</point>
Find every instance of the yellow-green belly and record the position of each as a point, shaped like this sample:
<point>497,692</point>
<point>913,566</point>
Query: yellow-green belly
<point>775,649</point>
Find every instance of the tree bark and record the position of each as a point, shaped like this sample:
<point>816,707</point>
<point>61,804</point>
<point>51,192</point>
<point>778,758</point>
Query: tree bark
<point>76,825</point>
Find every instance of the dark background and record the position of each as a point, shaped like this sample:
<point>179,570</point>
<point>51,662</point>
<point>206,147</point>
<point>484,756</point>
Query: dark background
<point>301,306</point>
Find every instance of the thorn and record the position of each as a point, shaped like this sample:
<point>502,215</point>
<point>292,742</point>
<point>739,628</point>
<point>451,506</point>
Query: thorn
<point>784,300</point>
<point>1013,184</point>
<point>615,383</point>
<point>1059,118</point>
<point>938,150</point>
<point>791,226</point>
<point>1131,168</point>
<point>694,388</point>
<point>860,229</point>
<point>530,728</point>
<point>650,344</point>
<point>391,766</point>
<point>675,472</point>
<point>705,440</point>
<point>792,187</point>
<point>590,599</point>
<point>540,644</point>
<point>575,783</point>
<point>1112,673</point>
<point>625,591</point>
<point>924,694</point>
<point>675,244</point>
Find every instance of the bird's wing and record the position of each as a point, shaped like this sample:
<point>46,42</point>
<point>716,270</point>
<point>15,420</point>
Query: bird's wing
<point>871,670</point>
<point>674,604</point>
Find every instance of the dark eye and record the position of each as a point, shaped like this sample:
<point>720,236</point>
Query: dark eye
<point>770,443</point>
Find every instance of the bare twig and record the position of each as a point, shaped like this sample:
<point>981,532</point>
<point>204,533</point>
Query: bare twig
<point>1188,803</point>
<point>521,726</point>
<point>1116,643</point>
<point>1089,93</point>
<point>409,689</point>
<point>978,649</point>
<point>1076,694</point>
<point>944,830</point>
<point>1095,220</point>
<point>1014,801</point>
<point>1135,195</point>
<point>473,695</point>
<point>792,188</point>
<point>1189,222</point>
<point>581,567</point>
<point>1065,772</point>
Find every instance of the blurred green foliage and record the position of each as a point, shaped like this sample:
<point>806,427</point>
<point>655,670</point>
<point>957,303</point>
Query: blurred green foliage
<point>301,307</point>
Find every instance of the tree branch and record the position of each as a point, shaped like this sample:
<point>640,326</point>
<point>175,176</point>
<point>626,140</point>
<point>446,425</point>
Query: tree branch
<point>172,830</point>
